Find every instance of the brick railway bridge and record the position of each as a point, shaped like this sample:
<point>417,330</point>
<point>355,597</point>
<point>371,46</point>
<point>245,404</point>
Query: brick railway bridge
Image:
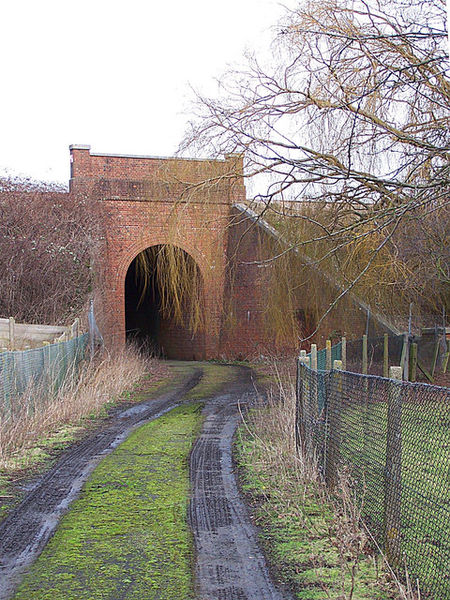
<point>198,206</point>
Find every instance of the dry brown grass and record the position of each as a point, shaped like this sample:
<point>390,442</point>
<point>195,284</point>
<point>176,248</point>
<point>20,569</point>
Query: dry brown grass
<point>40,415</point>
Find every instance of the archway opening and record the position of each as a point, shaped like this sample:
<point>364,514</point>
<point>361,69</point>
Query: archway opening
<point>164,303</point>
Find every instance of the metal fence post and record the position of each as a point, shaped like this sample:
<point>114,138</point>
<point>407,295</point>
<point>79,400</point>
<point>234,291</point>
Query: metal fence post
<point>392,478</point>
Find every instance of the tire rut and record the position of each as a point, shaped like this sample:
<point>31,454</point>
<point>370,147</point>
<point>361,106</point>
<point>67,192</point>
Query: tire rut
<point>229,563</point>
<point>28,527</point>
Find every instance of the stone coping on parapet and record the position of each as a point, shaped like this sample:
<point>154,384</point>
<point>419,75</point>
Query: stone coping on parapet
<point>147,156</point>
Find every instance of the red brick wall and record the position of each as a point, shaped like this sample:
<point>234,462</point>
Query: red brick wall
<point>245,332</point>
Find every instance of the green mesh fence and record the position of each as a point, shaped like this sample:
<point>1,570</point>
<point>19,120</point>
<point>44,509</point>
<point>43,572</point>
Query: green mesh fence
<point>47,366</point>
<point>336,354</point>
<point>393,439</point>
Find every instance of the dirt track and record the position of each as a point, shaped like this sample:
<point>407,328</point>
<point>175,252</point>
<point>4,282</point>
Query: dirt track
<point>230,565</point>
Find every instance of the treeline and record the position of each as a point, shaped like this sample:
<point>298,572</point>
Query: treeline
<point>48,238</point>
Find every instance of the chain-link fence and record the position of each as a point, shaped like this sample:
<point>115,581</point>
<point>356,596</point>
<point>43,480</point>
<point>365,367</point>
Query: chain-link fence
<point>393,439</point>
<point>425,357</point>
<point>47,366</point>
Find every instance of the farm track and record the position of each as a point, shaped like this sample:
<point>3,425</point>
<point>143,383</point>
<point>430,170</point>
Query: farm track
<point>229,563</point>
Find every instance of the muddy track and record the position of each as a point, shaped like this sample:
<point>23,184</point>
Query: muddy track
<point>229,562</point>
<point>26,530</point>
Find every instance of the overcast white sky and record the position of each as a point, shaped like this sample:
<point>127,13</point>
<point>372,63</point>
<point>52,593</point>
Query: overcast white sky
<point>113,74</point>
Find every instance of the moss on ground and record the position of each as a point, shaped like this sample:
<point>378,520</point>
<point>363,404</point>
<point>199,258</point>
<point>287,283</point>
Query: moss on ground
<point>296,525</point>
<point>126,536</point>
<point>215,377</point>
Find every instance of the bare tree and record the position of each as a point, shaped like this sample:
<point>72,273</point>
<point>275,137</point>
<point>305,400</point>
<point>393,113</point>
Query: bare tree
<point>352,111</point>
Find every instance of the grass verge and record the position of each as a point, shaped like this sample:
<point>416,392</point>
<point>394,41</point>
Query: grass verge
<point>315,548</point>
<point>126,536</point>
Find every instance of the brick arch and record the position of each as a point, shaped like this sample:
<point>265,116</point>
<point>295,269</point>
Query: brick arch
<point>130,253</point>
<point>175,340</point>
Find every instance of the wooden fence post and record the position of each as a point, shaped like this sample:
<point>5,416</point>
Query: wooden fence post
<point>75,328</point>
<point>386,355</point>
<point>435,357</point>
<point>11,333</point>
<point>314,357</point>
<point>334,426</point>
<point>393,469</point>
<point>298,408</point>
<point>404,358</point>
<point>413,362</point>
<point>446,357</point>
<point>300,412</point>
<point>364,355</point>
<point>344,353</point>
<point>328,355</point>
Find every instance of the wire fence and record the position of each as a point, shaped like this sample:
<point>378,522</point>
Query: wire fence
<point>424,357</point>
<point>375,353</point>
<point>392,439</point>
<point>47,366</point>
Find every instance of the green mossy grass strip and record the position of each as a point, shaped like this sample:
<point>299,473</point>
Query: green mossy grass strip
<point>295,525</point>
<point>214,377</point>
<point>126,536</point>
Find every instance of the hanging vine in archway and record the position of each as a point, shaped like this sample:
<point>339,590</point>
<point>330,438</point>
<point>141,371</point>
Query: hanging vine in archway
<point>179,281</point>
